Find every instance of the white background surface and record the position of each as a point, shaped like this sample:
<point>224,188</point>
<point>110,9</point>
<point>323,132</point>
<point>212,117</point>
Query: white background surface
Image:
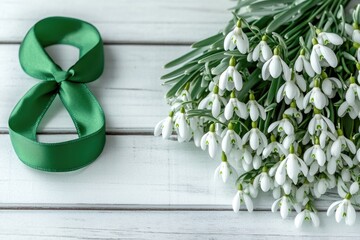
<point>141,187</point>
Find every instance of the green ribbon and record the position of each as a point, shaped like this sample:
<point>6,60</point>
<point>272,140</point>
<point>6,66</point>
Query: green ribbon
<point>84,109</point>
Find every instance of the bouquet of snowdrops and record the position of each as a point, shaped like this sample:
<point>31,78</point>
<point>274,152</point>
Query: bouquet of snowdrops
<point>275,97</point>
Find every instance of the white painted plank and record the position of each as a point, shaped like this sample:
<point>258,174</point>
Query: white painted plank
<point>129,90</point>
<point>132,170</point>
<point>142,21</point>
<point>164,225</point>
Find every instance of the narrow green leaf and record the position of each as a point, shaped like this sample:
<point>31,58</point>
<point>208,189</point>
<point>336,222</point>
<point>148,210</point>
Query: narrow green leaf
<point>275,85</point>
<point>208,41</point>
<point>180,84</point>
<point>285,16</point>
<point>250,83</point>
<point>179,71</point>
<point>183,58</point>
<point>216,56</point>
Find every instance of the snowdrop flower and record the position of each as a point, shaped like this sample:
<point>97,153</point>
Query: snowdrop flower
<point>344,108</point>
<point>237,38</point>
<point>224,169</point>
<point>320,123</point>
<point>315,97</point>
<point>264,180</point>
<point>344,209</point>
<point>262,51</point>
<point>306,214</point>
<point>242,197</point>
<point>255,109</point>
<point>325,38</point>
<point>245,155</point>
<point>231,78</point>
<point>341,143</point>
<point>303,65</point>
<point>293,112</point>
<point>285,204</point>
<point>283,125</point>
<point>234,105</point>
<point>213,101</point>
<point>196,124</point>
<point>275,66</point>
<point>329,86</point>
<point>274,147</point>
<point>302,191</point>
<point>353,31</point>
<point>231,140</point>
<point>326,182</point>
<point>183,97</point>
<point>290,89</point>
<point>291,166</point>
<point>322,56</point>
<point>352,95</point>
<point>165,127</point>
<point>256,138</point>
<point>315,153</point>
<point>182,126</point>
<point>210,139</point>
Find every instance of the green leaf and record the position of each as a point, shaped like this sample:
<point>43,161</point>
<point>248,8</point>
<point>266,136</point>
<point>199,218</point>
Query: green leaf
<point>348,126</point>
<point>285,16</point>
<point>213,57</point>
<point>275,85</point>
<point>180,70</point>
<point>183,58</point>
<point>180,84</point>
<point>250,83</point>
<point>208,41</point>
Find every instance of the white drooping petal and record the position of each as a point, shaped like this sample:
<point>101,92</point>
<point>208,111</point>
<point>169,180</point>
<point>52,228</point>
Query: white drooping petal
<point>225,171</point>
<point>340,212</point>
<point>292,167</point>
<point>238,81</point>
<point>286,70</point>
<point>332,208</point>
<point>315,219</point>
<point>275,205</point>
<point>299,219</point>
<point>329,55</point>
<point>284,208</point>
<point>280,175</point>
<point>158,128</point>
<point>354,188</point>
<point>315,60</point>
<point>216,107</point>
<point>236,202</point>
<point>336,148</point>
<point>254,140</point>
<point>248,203</point>
<point>350,215</point>
<point>265,73</point>
<point>299,64</point>
<point>275,67</point>
<point>167,127</point>
<point>266,51</point>
<point>228,43</point>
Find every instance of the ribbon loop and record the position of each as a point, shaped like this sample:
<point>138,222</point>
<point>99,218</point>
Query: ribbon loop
<point>84,109</point>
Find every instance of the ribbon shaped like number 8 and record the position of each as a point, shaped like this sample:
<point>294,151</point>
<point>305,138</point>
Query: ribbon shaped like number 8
<point>81,104</point>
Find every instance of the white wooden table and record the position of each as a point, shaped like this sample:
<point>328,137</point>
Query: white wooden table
<point>141,187</point>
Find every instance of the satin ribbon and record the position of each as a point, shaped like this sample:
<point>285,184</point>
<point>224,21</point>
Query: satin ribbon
<point>84,109</point>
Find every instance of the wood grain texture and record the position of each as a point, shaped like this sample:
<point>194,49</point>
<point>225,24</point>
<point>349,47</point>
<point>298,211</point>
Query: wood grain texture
<point>164,225</point>
<point>129,90</point>
<point>132,170</point>
<point>119,21</point>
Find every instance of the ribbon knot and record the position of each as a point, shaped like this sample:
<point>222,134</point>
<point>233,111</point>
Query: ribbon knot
<point>73,93</point>
<point>62,76</point>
